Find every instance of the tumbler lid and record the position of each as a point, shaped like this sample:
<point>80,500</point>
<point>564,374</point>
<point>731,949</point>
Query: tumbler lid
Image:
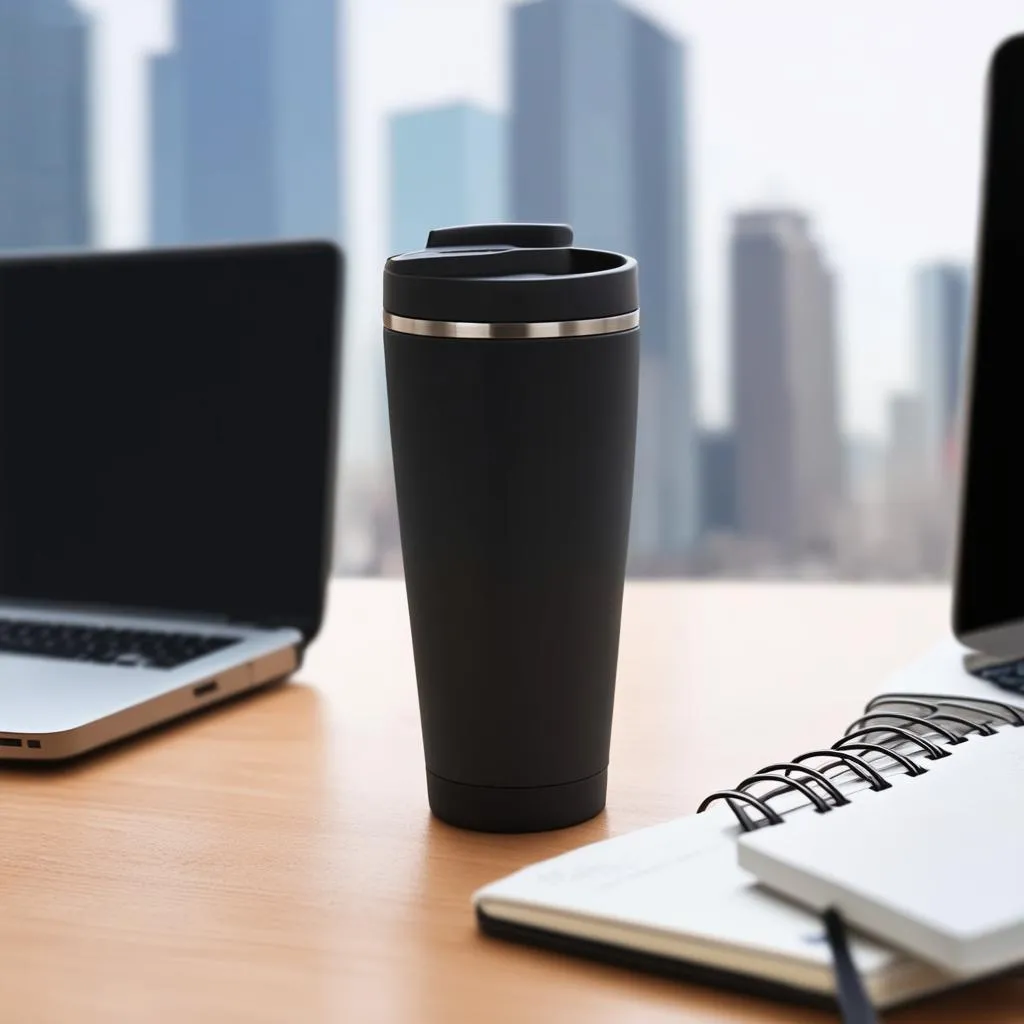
<point>510,274</point>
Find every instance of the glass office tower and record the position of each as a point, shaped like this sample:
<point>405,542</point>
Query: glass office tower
<point>245,123</point>
<point>448,166</point>
<point>599,140</point>
<point>789,454</point>
<point>943,298</point>
<point>45,138</point>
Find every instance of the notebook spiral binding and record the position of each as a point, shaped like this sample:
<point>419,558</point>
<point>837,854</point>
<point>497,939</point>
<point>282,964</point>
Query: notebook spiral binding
<point>893,728</point>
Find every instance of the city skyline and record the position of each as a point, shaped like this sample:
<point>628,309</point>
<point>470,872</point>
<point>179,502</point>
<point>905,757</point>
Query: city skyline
<point>245,134</point>
<point>816,131</point>
<point>254,153</point>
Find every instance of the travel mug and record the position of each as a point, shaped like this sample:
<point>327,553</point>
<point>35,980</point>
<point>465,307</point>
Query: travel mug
<point>512,375</point>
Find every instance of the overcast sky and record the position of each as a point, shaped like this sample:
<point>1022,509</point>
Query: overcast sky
<point>867,114</point>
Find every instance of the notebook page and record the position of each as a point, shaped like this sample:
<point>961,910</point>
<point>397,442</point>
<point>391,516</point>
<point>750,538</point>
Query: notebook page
<point>933,864</point>
<point>681,878</point>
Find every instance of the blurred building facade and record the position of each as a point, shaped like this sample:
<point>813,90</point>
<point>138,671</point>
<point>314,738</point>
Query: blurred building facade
<point>46,134</point>
<point>922,478</point>
<point>245,142</point>
<point>599,140</point>
<point>447,167</point>
<point>942,293</point>
<point>789,455</point>
<point>718,481</point>
<point>245,123</point>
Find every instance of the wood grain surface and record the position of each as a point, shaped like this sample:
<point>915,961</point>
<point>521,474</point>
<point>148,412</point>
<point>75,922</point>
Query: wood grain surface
<point>275,860</point>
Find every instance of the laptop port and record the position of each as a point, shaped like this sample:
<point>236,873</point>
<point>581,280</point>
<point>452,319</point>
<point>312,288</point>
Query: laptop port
<point>204,688</point>
<point>9,741</point>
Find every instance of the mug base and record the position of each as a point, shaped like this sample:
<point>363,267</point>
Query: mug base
<point>525,809</point>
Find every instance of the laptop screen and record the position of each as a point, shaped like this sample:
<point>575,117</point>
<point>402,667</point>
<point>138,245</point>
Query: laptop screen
<point>167,430</point>
<point>990,577</point>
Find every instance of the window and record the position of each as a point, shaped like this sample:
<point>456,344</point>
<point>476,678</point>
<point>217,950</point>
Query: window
<point>798,180</point>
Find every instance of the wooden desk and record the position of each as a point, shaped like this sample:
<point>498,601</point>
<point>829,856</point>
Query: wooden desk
<point>275,860</point>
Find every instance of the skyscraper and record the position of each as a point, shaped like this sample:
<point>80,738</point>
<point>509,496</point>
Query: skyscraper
<point>244,137</point>
<point>789,460</point>
<point>942,299</point>
<point>448,166</point>
<point>599,141</point>
<point>45,145</point>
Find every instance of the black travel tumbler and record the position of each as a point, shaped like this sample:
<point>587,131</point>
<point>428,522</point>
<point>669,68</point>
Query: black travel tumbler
<point>512,372</point>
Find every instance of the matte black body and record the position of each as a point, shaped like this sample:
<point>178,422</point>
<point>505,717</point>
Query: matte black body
<point>514,475</point>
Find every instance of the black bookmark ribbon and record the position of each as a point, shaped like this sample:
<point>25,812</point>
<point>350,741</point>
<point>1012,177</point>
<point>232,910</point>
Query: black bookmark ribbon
<point>854,1005</point>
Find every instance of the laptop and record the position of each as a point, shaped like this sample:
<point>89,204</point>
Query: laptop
<point>988,614</point>
<point>168,425</point>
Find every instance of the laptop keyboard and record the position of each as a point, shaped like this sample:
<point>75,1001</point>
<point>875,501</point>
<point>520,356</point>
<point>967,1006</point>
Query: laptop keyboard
<point>1008,676</point>
<point>127,648</point>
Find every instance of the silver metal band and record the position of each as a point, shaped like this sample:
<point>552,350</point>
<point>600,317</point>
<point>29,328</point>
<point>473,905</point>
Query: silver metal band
<point>510,332</point>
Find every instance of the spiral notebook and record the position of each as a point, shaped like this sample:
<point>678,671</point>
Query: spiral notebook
<point>943,879</point>
<point>674,900</point>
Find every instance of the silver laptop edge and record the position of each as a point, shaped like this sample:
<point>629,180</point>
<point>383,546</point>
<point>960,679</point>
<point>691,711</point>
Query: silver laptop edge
<point>169,452</point>
<point>55,709</point>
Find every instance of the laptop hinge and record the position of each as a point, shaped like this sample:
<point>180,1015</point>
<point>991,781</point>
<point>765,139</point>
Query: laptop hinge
<point>87,608</point>
<point>975,661</point>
